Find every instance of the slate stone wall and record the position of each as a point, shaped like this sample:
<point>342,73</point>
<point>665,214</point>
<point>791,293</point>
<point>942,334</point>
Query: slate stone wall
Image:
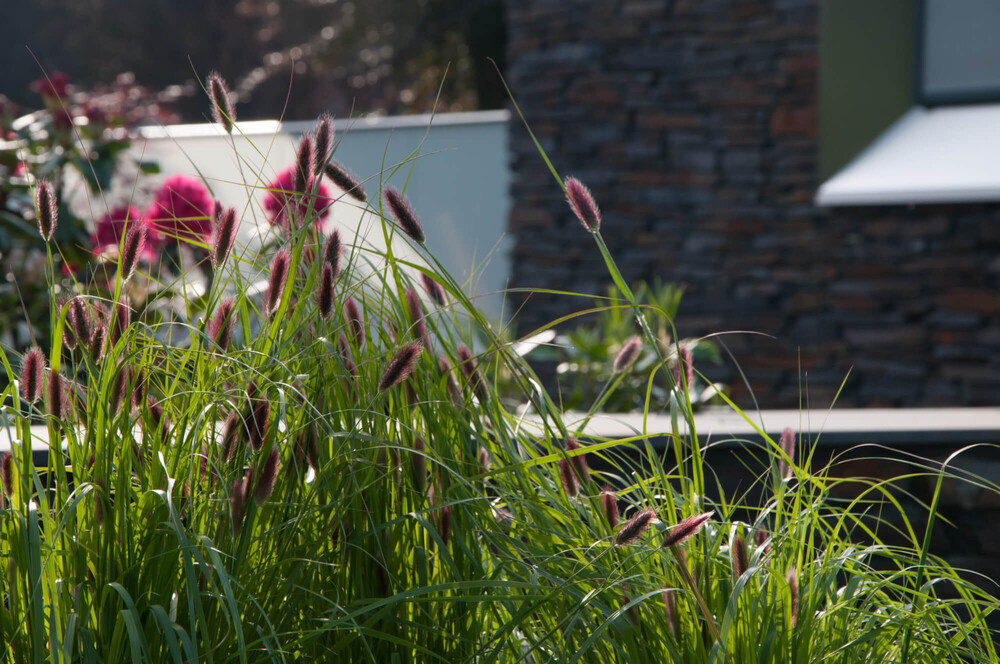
<point>694,122</point>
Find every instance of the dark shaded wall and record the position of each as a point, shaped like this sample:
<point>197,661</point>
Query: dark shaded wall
<point>694,122</point>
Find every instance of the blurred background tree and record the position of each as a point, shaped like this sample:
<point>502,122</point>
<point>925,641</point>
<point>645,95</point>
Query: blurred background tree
<point>347,57</point>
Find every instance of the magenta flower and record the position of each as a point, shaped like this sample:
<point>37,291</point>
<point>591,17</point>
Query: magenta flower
<point>182,210</point>
<point>109,230</point>
<point>54,86</point>
<point>283,201</point>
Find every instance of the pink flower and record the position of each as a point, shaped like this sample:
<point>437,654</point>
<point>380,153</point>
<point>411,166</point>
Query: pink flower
<point>181,210</point>
<point>282,200</point>
<point>54,86</point>
<point>109,230</point>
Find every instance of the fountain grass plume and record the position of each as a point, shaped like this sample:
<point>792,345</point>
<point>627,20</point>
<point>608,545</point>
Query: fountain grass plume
<point>55,402</point>
<point>626,356</point>
<point>633,529</point>
<point>355,324</point>
<point>32,374</point>
<point>277,279</point>
<point>685,529</point>
<point>266,477</point>
<point>345,181</point>
<point>324,292</point>
<point>568,478</point>
<point>405,218</point>
<point>787,445</point>
<point>322,142</point>
<point>133,247</point>
<point>48,217</point>
<point>581,201</point>
<point>332,250</point>
<point>226,223</point>
<point>416,312</point>
<point>400,367</point>
<point>738,555</point>
<point>579,461</point>
<point>222,103</point>
<point>303,165</point>
<point>609,505</point>
<point>7,475</point>
<point>434,289</point>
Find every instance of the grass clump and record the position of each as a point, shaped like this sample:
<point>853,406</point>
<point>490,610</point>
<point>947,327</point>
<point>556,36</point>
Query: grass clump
<point>327,471</point>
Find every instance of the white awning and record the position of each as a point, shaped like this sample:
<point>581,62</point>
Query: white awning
<point>948,154</point>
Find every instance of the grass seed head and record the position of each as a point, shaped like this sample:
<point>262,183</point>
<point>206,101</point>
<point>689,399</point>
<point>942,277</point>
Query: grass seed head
<point>322,142</point>
<point>277,280</point>
<point>226,223</point>
<point>626,356</point>
<point>355,323</point>
<point>345,181</point>
<point>324,292</point>
<point>133,247</point>
<point>581,201</point>
<point>222,103</point>
<point>434,289</point>
<point>267,477</point>
<point>47,215</point>
<point>55,389</point>
<point>686,529</point>
<point>738,555</point>
<point>7,474</point>
<point>609,504</point>
<point>567,475</point>
<point>633,529</point>
<point>303,165</point>
<point>406,219</point>
<point>32,375</point>
<point>400,367</point>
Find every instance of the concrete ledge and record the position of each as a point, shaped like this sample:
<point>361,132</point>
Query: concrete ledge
<point>721,427</point>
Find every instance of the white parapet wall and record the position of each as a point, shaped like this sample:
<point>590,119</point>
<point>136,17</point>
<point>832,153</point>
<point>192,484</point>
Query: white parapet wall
<point>454,166</point>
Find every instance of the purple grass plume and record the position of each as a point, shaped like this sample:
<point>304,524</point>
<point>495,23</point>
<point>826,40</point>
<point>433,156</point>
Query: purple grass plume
<point>160,420</point>
<point>626,356</point>
<point>307,449</point>
<point>97,342</point>
<point>222,103</point>
<point>118,384</point>
<point>483,457</point>
<point>355,324</point>
<point>444,524</point>
<point>345,181</point>
<point>609,504</point>
<point>738,555</point>
<point>324,292</point>
<point>787,445</point>
<point>416,310</point>
<point>220,326</point>
<point>670,608</point>
<point>79,314</point>
<point>7,474</point>
<point>567,475</point>
<point>224,235</point>
<point>55,392</point>
<point>434,289</point>
<point>406,219</point>
<point>138,387</point>
<point>686,529</point>
<point>32,375</point>
<point>332,250</point>
<point>633,529</point>
<point>683,363</point>
<point>451,385</point>
<point>69,329</point>
<point>278,278</point>
<point>267,477</point>
<point>759,537</point>
<point>581,201</point>
<point>400,367</point>
<point>472,373</point>
<point>303,165</point>
<point>346,356</point>
<point>121,318</point>
<point>133,247</point>
<point>232,432</point>
<point>792,577</point>
<point>579,462</point>
<point>48,218</point>
<point>258,419</point>
<point>238,501</point>
<point>322,142</point>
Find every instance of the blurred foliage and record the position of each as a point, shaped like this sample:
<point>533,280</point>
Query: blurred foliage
<point>385,56</point>
<point>585,354</point>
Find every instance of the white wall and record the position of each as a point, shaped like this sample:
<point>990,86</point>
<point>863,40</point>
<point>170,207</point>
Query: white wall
<point>459,182</point>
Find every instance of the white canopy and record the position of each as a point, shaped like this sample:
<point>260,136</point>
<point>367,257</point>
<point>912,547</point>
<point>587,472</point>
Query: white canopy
<point>948,154</point>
